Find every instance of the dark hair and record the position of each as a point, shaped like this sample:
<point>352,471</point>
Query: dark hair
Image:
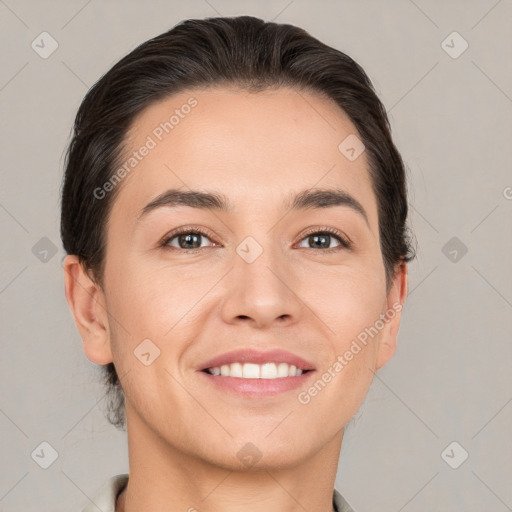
<point>242,51</point>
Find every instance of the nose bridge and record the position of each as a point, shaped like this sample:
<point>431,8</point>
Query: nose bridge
<point>258,259</point>
<point>259,287</point>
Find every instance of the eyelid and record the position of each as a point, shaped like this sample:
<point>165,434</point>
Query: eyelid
<point>187,229</point>
<point>330,230</point>
<point>344,240</point>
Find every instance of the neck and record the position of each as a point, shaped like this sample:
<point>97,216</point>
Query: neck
<point>164,478</point>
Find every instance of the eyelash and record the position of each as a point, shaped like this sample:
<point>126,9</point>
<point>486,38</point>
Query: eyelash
<point>345,243</point>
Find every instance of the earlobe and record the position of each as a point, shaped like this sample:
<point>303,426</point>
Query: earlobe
<point>87,303</point>
<point>395,302</point>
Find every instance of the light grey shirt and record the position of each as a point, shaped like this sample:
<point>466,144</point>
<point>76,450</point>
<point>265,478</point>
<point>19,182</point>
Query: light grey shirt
<point>105,500</point>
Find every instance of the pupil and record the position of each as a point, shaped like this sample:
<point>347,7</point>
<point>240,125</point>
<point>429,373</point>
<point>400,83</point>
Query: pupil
<point>189,237</point>
<point>325,240</point>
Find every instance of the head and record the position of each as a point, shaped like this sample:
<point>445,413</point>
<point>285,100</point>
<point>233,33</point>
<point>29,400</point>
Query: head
<point>259,118</point>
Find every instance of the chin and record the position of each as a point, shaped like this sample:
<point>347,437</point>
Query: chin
<point>259,454</point>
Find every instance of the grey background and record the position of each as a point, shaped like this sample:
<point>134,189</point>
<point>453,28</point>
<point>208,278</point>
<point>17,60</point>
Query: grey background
<point>450,379</point>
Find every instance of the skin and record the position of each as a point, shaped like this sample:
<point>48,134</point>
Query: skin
<point>184,434</point>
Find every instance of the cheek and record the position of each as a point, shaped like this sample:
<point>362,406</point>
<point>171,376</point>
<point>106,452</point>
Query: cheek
<point>164,304</point>
<point>347,300</point>
<point>149,300</point>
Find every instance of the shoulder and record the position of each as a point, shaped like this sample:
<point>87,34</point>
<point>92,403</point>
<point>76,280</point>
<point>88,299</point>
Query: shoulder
<point>105,499</point>
<point>340,504</point>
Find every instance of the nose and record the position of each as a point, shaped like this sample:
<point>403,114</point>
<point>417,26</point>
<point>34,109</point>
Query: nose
<point>263,291</point>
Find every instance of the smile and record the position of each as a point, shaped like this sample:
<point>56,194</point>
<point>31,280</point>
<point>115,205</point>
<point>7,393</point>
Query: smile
<point>256,371</point>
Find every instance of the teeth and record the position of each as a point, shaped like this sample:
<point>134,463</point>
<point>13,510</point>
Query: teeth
<point>250,371</point>
<point>256,371</point>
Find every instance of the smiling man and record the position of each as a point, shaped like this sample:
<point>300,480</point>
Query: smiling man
<point>224,278</point>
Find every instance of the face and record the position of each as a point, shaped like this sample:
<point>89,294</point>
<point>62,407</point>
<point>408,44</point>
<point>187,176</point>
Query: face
<point>258,274</point>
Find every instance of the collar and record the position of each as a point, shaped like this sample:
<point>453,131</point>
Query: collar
<point>105,500</point>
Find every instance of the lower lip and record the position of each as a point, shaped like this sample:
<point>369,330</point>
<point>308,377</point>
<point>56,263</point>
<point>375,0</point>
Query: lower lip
<point>257,387</point>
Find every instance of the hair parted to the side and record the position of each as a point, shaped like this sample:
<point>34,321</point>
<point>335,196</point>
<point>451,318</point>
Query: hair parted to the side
<point>243,51</point>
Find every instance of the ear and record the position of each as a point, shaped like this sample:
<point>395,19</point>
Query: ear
<point>87,303</point>
<point>394,305</point>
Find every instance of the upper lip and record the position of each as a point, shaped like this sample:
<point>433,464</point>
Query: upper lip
<point>249,355</point>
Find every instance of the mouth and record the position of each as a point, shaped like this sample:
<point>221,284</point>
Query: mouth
<point>271,370</point>
<point>252,373</point>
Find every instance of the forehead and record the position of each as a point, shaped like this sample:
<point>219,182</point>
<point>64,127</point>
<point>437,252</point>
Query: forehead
<point>257,148</point>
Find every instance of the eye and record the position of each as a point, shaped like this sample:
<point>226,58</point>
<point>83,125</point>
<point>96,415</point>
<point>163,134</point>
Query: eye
<point>189,239</point>
<point>322,240</point>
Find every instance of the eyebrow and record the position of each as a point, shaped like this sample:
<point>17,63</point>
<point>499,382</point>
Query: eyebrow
<point>304,200</point>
